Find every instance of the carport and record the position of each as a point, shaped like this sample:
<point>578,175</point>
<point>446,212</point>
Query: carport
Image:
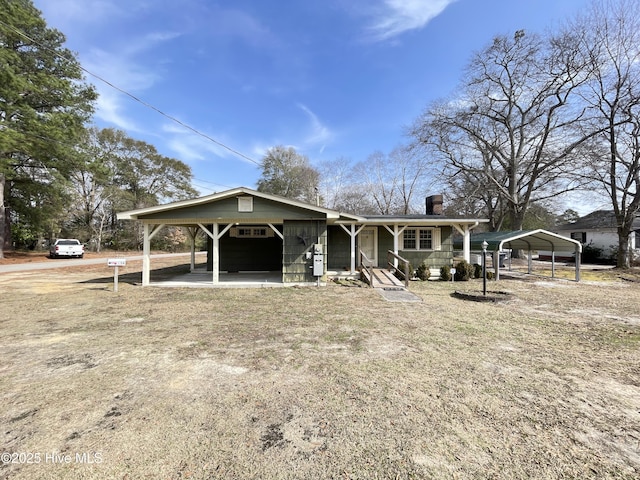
<point>528,240</point>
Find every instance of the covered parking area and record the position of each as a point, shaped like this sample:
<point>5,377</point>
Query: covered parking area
<point>529,241</point>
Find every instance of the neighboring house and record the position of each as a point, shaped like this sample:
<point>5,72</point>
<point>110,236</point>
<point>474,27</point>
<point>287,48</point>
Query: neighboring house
<point>599,230</point>
<point>249,230</point>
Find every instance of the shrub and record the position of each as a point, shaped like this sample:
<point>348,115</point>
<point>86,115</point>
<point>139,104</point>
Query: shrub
<point>477,270</point>
<point>423,272</point>
<point>591,254</point>
<point>464,271</point>
<point>445,273</point>
<point>490,275</point>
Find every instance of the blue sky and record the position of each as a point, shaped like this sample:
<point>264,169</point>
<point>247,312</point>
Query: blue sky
<point>332,78</point>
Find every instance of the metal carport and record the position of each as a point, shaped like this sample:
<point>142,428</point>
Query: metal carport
<point>528,240</point>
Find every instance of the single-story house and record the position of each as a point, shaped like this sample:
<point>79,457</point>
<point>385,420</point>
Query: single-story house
<point>598,230</point>
<point>249,230</point>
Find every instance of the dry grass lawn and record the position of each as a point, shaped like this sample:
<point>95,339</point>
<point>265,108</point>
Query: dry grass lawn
<point>314,383</point>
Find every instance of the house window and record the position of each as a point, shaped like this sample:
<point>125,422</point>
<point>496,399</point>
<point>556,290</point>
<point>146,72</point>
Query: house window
<point>409,239</point>
<point>245,204</point>
<point>425,240</point>
<point>421,239</point>
<point>251,232</point>
<point>579,236</point>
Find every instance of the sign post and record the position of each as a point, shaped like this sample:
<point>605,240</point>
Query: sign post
<point>116,262</point>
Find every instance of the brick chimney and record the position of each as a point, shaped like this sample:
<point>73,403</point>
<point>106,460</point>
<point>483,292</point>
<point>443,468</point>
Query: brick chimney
<point>434,205</point>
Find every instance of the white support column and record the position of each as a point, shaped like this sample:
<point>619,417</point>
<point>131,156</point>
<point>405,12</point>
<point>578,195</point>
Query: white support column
<point>352,259</point>
<point>193,231</point>
<point>146,255</point>
<point>466,244</point>
<point>396,240</point>
<point>215,236</point>
<point>465,231</point>
<point>353,233</point>
<point>395,245</point>
<point>215,254</point>
<point>148,233</point>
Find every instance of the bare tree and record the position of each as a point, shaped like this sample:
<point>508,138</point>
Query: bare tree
<point>512,127</point>
<point>287,173</point>
<point>396,181</point>
<point>335,177</point>
<point>610,34</point>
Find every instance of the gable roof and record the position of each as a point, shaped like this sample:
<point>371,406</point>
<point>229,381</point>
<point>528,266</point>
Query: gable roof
<point>169,211</point>
<point>597,220</point>
<point>136,214</point>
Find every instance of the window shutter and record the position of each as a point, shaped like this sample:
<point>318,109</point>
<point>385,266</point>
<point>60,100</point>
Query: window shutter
<point>435,239</point>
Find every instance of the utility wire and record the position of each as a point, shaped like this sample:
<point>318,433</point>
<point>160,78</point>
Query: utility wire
<point>65,144</point>
<point>142,102</point>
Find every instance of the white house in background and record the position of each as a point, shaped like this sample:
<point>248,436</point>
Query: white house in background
<point>599,230</point>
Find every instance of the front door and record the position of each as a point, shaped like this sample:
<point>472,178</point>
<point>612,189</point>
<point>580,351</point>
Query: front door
<point>368,243</point>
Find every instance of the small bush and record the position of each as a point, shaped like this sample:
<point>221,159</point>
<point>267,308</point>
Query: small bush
<point>591,254</point>
<point>477,270</point>
<point>490,275</point>
<point>445,273</point>
<point>423,272</point>
<point>464,271</point>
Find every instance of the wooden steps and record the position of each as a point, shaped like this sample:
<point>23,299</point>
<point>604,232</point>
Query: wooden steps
<point>384,278</point>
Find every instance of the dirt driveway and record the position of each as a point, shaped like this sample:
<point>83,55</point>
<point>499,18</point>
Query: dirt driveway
<point>331,382</point>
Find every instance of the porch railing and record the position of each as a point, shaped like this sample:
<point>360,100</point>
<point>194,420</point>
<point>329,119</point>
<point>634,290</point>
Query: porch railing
<point>393,266</point>
<point>367,268</point>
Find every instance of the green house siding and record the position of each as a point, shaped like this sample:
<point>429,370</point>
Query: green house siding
<point>433,258</point>
<point>228,209</point>
<point>385,243</point>
<point>339,251</point>
<point>299,238</point>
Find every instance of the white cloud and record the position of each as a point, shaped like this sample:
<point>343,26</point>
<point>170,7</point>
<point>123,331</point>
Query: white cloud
<point>67,14</point>
<point>190,147</point>
<point>319,133</point>
<point>399,16</point>
<point>125,74</point>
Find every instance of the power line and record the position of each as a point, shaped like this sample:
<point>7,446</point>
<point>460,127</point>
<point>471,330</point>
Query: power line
<point>142,102</point>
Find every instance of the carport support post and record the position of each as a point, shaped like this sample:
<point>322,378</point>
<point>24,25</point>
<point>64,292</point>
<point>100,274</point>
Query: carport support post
<point>215,254</point>
<point>146,255</point>
<point>149,233</point>
<point>193,231</point>
<point>578,252</point>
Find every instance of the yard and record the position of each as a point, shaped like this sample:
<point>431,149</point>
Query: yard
<point>312,383</point>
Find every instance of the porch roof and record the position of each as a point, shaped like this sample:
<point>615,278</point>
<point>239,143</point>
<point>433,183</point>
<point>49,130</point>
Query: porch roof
<point>426,220</point>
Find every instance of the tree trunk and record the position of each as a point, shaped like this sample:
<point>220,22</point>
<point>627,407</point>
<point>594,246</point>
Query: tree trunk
<point>3,236</point>
<point>623,259</point>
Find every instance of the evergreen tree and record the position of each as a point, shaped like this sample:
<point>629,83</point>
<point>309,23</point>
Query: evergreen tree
<point>44,104</point>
